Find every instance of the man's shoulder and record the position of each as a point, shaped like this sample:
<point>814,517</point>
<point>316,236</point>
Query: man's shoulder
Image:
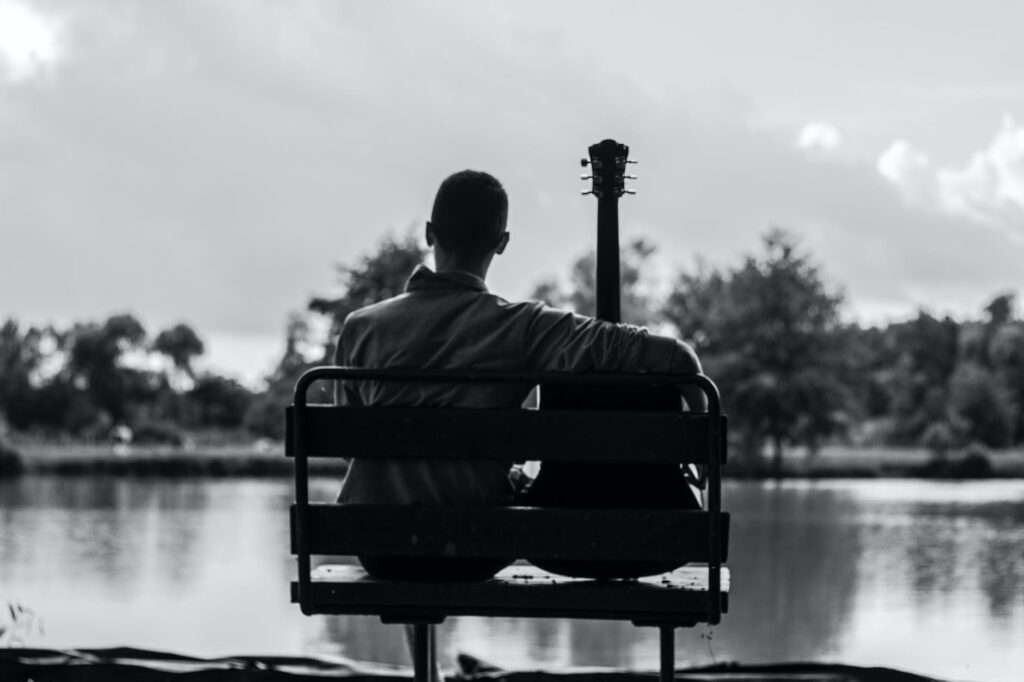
<point>376,309</point>
<point>361,320</point>
<point>409,307</point>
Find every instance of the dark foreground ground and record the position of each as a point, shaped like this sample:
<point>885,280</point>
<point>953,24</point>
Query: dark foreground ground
<point>116,665</point>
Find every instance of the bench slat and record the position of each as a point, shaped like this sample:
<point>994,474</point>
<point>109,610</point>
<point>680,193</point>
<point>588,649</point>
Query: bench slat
<point>540,533</point>
<point>503,434</point>
<point>679,597</point>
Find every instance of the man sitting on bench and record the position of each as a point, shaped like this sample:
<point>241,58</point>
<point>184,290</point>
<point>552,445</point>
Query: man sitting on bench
<point>447,319</point>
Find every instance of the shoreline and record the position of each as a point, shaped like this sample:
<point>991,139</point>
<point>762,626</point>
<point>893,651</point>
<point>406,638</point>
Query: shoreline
<point>262,459</point>
<point>71,459</point>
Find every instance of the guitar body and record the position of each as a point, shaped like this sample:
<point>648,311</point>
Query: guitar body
<point>610,486</point>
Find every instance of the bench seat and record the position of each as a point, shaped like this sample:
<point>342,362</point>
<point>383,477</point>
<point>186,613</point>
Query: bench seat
<point>679,598</point>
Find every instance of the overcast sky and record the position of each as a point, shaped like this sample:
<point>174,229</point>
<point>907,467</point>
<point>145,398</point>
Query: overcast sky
<point>210,161</point>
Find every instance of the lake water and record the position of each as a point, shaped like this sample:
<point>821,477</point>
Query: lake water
<point>923,576</point>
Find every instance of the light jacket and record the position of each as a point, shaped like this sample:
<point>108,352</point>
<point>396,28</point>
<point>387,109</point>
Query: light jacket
<point>450,320</point>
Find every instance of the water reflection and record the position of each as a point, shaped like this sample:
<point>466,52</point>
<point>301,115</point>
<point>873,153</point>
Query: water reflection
<point>793,555</point>
<point>906,574</point>
<point>1002,578</point>
<point>194,566</point>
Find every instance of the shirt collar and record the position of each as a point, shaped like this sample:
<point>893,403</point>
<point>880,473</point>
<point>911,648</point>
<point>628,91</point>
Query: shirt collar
<point>425,279</point>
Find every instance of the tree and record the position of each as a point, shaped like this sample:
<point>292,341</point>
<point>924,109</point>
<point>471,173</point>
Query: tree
<point>919,357</point>
<point>378,275</point>
<point>1006,350</point>
<point>767,332</point>
<point>180,344</point>
<point>992,359</point>
<point>265,415</point>
<point>218,401</point>
<point>981,407</point>
<point>939,438</point>
<point>636,303</point>
<point>19,357</point>
<point>868,359</point>
<point>1001,308</point>
<point>94,363</point>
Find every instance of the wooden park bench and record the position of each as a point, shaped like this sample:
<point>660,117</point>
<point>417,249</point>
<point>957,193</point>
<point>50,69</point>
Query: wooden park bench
<point>684,597</point>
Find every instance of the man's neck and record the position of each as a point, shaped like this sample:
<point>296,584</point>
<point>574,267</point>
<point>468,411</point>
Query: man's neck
<point>477,269</point>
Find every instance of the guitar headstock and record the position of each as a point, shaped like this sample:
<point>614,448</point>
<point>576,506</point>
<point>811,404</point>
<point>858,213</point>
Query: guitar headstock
<point>608,160</point>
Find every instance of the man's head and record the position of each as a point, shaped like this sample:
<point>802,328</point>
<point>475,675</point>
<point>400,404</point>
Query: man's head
<point>467,223</point>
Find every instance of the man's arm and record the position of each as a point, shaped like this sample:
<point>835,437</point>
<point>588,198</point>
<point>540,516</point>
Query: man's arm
<point>680,358</point>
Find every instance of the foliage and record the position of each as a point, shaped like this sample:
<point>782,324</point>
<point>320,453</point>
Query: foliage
<point>378,275</point>
<point>265,416</point>
<point>95,351</point>
<point>974,462</point>
<point>581,295</point>
<point>918,359</point>
<point>939,438</point>
<point>21,355</point>
<point>91,377</point>
<point>768,331</point>
<point>181,344</point>
<point>981,407</point>
<point>968,376</point>
<point>11,463</point>
<point>218,401</point>
<point>1006,358</point>
<point>158,433</point>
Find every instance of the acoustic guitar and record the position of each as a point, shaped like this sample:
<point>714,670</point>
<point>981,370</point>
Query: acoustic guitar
<point>603,486</point>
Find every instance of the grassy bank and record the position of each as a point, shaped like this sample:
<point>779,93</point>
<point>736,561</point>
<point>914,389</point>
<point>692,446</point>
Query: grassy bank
<point>267,459</point>
<point>844,461</point>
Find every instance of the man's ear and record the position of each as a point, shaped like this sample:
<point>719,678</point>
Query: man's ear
<point>429,231</point>
<point>502,242</point>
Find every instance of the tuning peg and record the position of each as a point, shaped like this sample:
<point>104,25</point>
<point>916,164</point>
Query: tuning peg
<point>632,161</point>
<point>629,191</point>
<point>584,162</point>
<point>586,177</point>
<point>586,192</point>
<point>629,177</point>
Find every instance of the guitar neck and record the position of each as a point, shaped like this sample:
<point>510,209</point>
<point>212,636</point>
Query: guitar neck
<point>607,160</point>
<point>607,276</point>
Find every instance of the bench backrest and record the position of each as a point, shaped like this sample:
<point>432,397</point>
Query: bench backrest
<point>595,436</point>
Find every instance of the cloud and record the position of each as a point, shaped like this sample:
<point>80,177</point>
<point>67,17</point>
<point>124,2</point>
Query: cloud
<point>909,169</point>
<point>818,135</point>
<point>988,188</point>
<point>29,41</point>
<point>888,255</point>
<point>993,180</point>
<point>210,165</point>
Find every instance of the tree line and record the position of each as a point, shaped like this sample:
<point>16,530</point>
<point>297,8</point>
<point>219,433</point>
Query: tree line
<point>768,330</point>
<point>793,373</point>
<point>97,381</point>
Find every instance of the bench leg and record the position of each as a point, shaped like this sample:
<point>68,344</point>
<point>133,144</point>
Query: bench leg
<point>668,653</point>
<point>435,670</point>
<point>424,652</point>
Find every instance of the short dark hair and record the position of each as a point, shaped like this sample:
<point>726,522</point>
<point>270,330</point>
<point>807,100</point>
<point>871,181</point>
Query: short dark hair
<point>469,212</point>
